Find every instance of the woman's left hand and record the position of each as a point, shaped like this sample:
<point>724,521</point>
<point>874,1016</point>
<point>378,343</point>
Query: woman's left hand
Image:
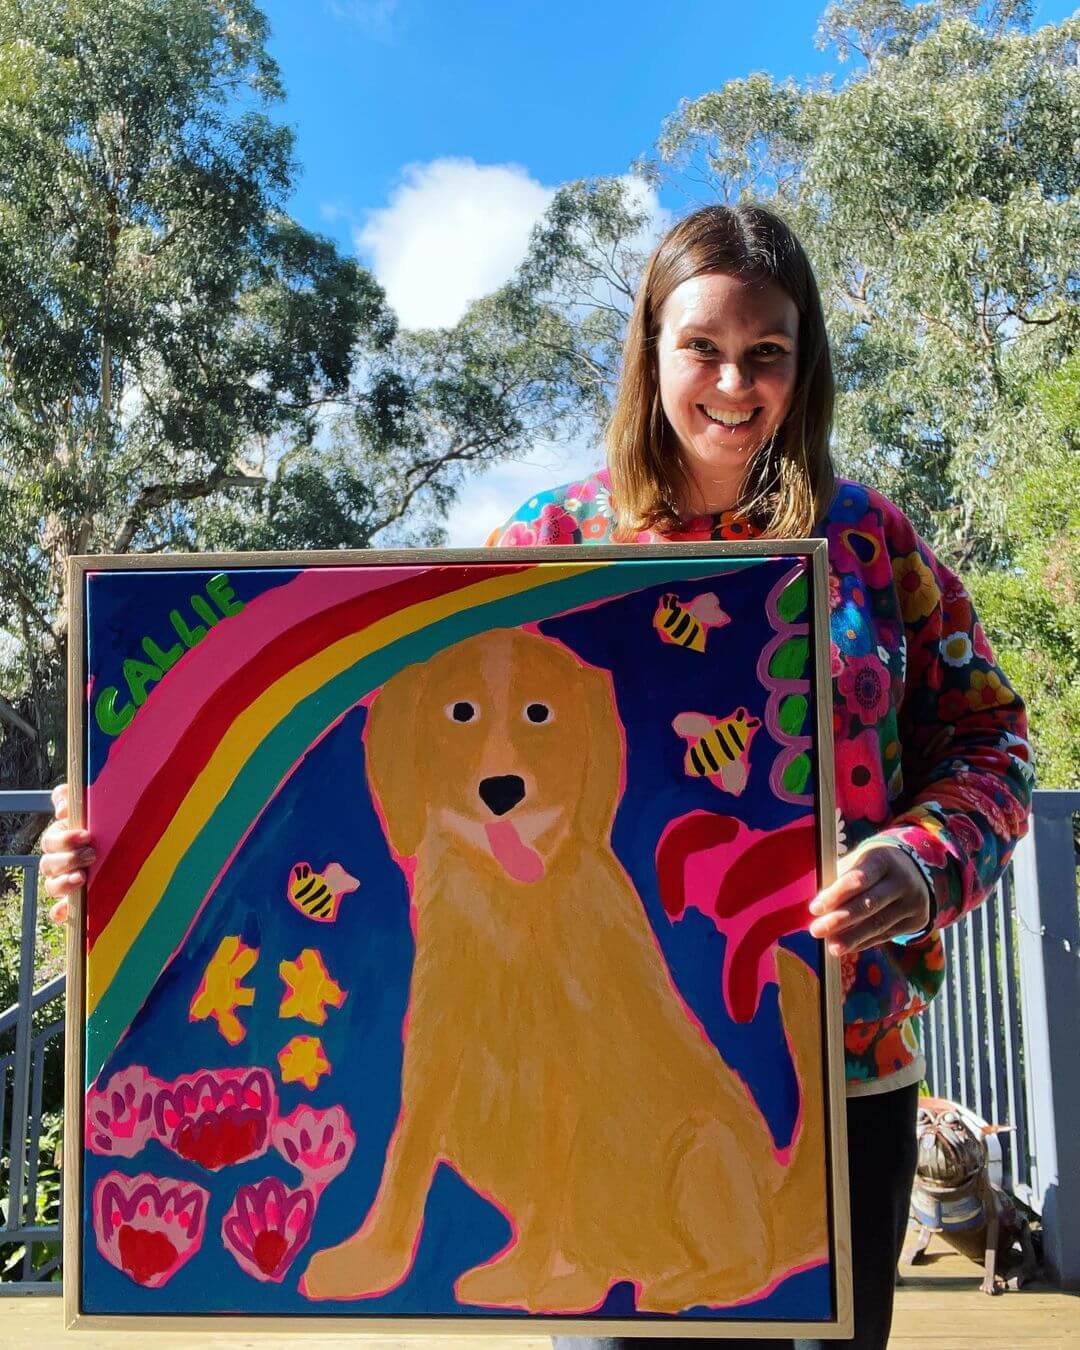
<point>880,894</point>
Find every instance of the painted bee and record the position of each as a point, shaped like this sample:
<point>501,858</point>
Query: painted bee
<point>318,894</point>
<point>718,748</point>
<point>687,624</point>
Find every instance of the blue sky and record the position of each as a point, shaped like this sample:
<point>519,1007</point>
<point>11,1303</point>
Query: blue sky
<point>432,134</point>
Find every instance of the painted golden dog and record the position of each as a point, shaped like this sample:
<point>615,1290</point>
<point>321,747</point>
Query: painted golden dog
<point>548,1057</point>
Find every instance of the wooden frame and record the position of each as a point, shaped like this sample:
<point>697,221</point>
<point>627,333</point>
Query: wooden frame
<point>824,810</point>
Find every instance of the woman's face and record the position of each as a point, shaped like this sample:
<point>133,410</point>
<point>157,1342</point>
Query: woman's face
<point>726,361</point>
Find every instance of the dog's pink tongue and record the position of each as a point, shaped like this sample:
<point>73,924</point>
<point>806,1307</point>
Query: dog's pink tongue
<point>520,862</point>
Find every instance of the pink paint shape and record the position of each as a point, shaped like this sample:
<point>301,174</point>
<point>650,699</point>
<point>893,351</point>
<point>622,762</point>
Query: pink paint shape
<point>162,723</point>
<point>317,1143</point>
<point>266,1226</point>
<point>216,1117</point>
<point>119,1117</point>
<point>148,1226</point>
<point>755,886</point>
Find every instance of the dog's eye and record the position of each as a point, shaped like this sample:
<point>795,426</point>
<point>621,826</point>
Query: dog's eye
<point>538,712</point>
<point>462,711</point>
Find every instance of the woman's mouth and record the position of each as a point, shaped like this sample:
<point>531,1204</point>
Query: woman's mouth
<point>731,422</point>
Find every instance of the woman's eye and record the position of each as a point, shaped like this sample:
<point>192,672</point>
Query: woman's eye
<point>538,713</point>
<point>770,351</point>
<point>700,344</point>
<point>462,711</point>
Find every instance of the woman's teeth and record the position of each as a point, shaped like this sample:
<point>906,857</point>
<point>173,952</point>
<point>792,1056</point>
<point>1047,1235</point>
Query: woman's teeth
<point>727,419</point>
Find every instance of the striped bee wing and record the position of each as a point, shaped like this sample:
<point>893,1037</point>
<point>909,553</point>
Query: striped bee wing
<point>734,775</point>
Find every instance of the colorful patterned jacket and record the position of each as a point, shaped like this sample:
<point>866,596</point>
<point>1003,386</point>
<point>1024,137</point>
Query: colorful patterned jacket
<point>931,748</point>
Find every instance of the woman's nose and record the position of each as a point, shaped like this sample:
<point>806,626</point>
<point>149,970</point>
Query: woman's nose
<point>732,378</point>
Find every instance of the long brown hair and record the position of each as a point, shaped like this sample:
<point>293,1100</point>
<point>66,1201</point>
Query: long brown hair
<point>790,481</point>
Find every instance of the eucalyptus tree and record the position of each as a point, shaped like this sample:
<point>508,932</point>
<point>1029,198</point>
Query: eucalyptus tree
<point>182,364</point>
<point>937,190</point>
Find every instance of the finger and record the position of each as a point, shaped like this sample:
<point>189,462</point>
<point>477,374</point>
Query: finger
<point>62,886</point>
<point>890,921</point>
<point>56,863</point>
<point>59,912</point>
<point>60,801</point>
<point>58,838</point>
<point>861,873</point>
<point>857,908</point>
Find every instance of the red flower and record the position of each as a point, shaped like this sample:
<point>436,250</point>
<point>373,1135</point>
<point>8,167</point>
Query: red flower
<point>556,526</point>
<point>952,705</point>
<point>594,528</point>
<point>859,1036</point>
<point>890,1053</point>
<point>860,781</point>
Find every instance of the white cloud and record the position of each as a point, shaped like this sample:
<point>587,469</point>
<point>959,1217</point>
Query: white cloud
<point>487,500</point>
<point>454,230</point>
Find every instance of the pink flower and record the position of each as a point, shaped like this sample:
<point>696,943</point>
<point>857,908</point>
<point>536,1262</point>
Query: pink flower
<point>982,647</point>
<point>860,782</point>
<point>581,492</point>
<point>864,683</point>
<point>517,535</point>
<point>217,1117</point>
<point>266,1226</point>
<point>319,1144</point>
<point>119,1119</point>
<point>927,845</point>
<point>556,526</point>
<point>966,833</point>
<point>148,1226</point>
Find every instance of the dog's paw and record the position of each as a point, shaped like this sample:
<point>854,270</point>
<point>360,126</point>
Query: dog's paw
<point>354,1269</point>
<point>504,1283</point>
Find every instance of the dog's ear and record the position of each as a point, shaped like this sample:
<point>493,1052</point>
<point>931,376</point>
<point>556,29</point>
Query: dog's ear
<point>603,738</point>
<point>392,767</point>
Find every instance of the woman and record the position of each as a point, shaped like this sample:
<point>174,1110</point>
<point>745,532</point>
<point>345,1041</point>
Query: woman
<point>720,431</point>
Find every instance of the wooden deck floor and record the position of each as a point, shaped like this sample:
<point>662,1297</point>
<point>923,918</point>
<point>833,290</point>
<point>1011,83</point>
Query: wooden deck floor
<point>939,1307</point>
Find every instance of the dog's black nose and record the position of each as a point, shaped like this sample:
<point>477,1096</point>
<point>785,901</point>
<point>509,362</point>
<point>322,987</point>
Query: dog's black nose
<point>501,794</point>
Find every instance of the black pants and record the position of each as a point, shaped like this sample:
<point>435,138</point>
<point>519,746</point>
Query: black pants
<point>881,1166</point>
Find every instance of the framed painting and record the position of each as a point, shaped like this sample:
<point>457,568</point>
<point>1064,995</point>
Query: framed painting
<point>444,964</point>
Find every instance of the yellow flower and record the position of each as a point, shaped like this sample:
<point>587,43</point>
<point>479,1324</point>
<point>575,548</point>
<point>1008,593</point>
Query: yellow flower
<point>918,590</point>
<point>220,992</point>
<point>303,1060</point>
<point>308,988</point>
<point>987,690</point>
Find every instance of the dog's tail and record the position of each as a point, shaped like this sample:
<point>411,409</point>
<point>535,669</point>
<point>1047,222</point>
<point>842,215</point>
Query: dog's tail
<point>801,1231</point>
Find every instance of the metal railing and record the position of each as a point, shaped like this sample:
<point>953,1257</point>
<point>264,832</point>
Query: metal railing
<point>1003,1037</point>
<point>22,1075</point>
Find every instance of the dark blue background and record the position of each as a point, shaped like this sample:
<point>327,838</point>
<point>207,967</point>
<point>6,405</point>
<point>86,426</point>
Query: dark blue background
<point>323,814</point>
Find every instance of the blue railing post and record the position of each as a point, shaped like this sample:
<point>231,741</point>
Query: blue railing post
<point>1044,870</point>
<point>23,1069</point>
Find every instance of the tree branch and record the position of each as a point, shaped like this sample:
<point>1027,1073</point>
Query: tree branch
<point>9,715</point>
<point>161,494</point>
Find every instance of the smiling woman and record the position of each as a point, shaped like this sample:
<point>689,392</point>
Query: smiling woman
<point>727,322</point>
<point>727,359</point>
<point>721,431</point>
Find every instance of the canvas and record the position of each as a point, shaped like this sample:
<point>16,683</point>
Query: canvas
<point>445,955</point>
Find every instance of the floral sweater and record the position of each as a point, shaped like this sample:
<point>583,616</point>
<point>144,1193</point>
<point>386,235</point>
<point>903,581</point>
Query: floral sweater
<point>931,748</point>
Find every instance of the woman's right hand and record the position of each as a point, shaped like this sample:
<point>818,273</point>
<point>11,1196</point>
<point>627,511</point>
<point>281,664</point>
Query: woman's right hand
<point>65,856</point>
